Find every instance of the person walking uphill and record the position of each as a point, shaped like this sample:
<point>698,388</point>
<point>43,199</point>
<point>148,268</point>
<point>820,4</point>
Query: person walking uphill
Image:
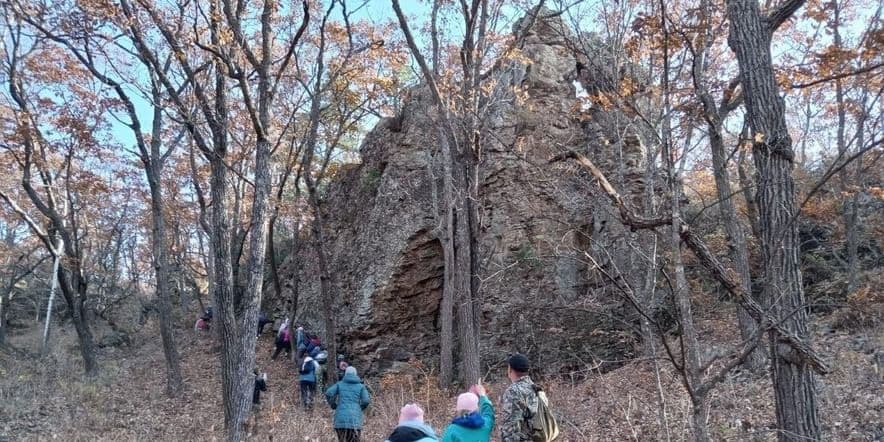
<point>283,341</point>
<point>524,414</point>
<point>474,420</point>
<point>307,379</point>
<point>411,426</point>
<point>349,398</point>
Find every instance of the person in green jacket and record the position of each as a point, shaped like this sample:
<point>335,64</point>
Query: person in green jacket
<point>349,398</point>
<point>474,420</point>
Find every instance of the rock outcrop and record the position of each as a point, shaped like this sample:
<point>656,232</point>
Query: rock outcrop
<point>539,293</point>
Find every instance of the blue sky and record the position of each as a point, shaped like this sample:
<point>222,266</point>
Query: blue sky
<point>373,10</point>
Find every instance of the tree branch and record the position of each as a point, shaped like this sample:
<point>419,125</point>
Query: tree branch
<point>709,261</point>
<point>782,13</point>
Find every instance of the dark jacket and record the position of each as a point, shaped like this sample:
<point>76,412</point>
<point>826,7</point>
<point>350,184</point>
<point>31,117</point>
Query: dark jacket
<point>307,370</point>
<point>260,386</point>
<point>412,431</point>
<point>348,398</point>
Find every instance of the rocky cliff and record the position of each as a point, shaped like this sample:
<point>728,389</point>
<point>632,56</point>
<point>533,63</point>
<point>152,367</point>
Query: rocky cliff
<point>539,293</point>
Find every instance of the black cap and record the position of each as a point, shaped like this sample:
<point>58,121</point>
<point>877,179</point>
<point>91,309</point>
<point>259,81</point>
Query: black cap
<point>519,363</point>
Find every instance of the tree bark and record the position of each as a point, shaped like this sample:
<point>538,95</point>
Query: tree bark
<point>849,212</point>
<point>73,287</point>
<point>45,341</point>
<point>463,146</point>
<point>793,378</point>
<point>738,249</point>
<point>446,307</point>
<point>153,167</point>
<point>714,115</point>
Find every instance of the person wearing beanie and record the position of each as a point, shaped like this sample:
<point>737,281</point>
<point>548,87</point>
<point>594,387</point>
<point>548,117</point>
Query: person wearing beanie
<point>412,427</point>
<point>349,398</point>
<point>474,418</point>
<point>519,400</point>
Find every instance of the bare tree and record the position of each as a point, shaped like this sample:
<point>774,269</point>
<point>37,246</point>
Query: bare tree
<point>232,55</point>
<point>15,270</point>
<point>50,202</point>
<point>782,291</point>
<point>714,116</point>
<point>88,48</point>
<point>460,138</point>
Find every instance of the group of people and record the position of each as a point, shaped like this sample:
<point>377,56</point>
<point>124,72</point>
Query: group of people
<point>524,414</point>
<point>204,321</point>
<point>524,411</point>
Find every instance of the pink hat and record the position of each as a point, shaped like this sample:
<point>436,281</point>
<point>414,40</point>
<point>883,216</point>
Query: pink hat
<point>468,402</point>
<point>411,412</point>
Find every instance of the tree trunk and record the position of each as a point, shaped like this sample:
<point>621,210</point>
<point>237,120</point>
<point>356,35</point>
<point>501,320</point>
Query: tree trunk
<point>852,225</point>
<point>748,191</point>
<point>243,356</point>
<point>692,376</point>
<point>327,294</point>
<point>793,379</point>
<point>849,212</point>
<point>235,413</point>
<point>446,307</point>
<point>271,257</point>
<point>4,302</point>
<point>296,270</point>
<point>739,252</point>
<point>73,287</point>
<point>161,270</point>
<point>462,272</point>
<point>55,262</point>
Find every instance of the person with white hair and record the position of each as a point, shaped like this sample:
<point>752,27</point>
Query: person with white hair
<point>308,371</point>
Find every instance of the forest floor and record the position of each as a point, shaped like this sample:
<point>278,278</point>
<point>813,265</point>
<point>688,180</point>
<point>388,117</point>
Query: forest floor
<point>46,399</point>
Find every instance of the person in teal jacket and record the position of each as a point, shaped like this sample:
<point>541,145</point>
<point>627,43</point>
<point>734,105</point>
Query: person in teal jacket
<point>474,420</point>
<point>349,398</point>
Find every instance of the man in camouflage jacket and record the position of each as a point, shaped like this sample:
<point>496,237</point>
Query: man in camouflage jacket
<point>519,402</point>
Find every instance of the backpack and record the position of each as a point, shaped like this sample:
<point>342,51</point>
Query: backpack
<point>314,352</point>
<point>542,424</point>
<point>313,339</point>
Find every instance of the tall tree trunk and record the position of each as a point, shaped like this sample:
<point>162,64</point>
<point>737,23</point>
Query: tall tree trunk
<point>73,287</point>
<point>296,270</point>
<point>793,379</point>
<point>738,249</point>
<point>445,215</point>
<point>446,307</point>
<point>326,290</point>
<point>462,273</point>
<point>153,161</point>
<point>748,191</point>
<point>271,256</point>
<point>161,270</point>
<point>693,377</point>
<point>55,262</point>
<point>714,116</point>
<point>851,222</point>
<point>849,212</point>
<point>247,310</point>
<point>224,309</point>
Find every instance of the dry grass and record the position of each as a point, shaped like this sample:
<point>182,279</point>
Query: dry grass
<point>48,398</point>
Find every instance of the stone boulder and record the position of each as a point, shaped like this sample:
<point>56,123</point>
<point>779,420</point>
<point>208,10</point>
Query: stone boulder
<point>539,293</point>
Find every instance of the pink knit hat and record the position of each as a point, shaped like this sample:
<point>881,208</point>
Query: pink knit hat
<point>411,412</point>
<point>468,402</point>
